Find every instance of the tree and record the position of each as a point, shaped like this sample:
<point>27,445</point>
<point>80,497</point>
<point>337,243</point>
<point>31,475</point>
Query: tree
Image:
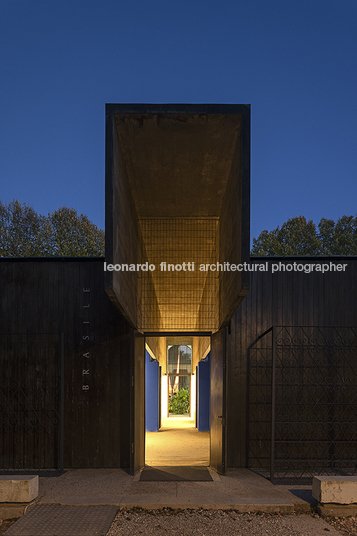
<point>338,238</point>
<point>179,403</point>
<point>298,236</point>
<point>24,233</point>
<point>75,236</point>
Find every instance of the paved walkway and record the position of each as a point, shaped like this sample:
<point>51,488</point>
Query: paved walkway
<point>177,443</point>
<point>84,502</point>
<point>239,488</point>
<point>55,520</point>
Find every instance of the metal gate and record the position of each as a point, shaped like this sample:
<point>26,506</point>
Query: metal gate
<point>31,402</point>
<point>302,401</point>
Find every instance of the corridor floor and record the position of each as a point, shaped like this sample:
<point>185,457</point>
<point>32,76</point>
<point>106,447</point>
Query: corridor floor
<point>177,443</point>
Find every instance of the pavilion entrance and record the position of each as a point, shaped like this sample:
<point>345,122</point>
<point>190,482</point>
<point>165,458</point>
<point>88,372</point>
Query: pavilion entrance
<point>177,206</point>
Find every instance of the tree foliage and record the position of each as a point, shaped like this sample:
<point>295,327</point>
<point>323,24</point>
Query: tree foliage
<point>63,233</point>
<point>298,236</point>
<point>179,403</point>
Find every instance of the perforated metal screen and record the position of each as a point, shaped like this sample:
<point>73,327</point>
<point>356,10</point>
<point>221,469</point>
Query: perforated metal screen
<point>310,425</point>
<point>177,295</point>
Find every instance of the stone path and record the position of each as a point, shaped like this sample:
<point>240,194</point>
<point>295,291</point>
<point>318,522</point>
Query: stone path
<point>57,520</point>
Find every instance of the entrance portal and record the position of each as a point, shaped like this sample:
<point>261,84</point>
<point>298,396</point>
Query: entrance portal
<point>177,401</point>
<point>177,236</point>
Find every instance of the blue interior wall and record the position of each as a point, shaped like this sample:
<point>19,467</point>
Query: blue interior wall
<point>151,394</point>
<point>203,394</point>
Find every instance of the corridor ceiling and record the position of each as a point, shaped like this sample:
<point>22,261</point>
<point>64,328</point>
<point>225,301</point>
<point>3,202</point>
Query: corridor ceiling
<point>178,164</point>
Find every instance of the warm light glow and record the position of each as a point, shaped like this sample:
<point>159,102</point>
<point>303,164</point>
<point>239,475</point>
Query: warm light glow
<point>183,299</point>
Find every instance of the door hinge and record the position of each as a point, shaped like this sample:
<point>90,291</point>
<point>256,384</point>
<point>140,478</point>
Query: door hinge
<point>223,420</point>
<point>132,448</point>
<point>132,381</point>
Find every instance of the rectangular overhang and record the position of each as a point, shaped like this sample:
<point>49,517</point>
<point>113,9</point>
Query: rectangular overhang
<point>188,166</point>
<point>175,160</point>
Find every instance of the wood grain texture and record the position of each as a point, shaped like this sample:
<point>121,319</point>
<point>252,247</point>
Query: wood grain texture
<point>282,298</point>
<point>46,296</point>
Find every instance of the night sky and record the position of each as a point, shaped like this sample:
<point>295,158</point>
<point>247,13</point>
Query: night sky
<point>294,61</point>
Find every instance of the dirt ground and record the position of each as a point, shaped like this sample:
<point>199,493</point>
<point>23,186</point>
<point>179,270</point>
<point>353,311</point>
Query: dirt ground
<point>4,525</point>
<point>344,525</point>
<point>137,521</point>
<point>228,523</point>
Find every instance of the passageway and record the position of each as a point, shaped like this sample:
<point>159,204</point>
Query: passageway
<point>177,443</point>
<point>177,204</point>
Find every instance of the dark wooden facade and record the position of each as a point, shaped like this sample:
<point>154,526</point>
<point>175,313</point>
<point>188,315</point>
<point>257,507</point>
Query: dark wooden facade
<point>52,296</point>
<point>281,299</point>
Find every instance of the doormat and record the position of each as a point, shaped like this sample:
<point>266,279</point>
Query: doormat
<point>180,473</point>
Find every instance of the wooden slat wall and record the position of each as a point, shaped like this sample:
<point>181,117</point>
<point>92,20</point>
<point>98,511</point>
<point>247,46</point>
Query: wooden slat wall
<point>46,295</point>
<point>290,298</point>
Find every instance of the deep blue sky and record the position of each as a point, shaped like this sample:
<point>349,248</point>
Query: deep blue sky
<point>294,61</point>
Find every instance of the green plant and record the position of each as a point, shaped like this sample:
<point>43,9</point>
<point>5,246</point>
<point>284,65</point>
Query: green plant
<point>179,403</point>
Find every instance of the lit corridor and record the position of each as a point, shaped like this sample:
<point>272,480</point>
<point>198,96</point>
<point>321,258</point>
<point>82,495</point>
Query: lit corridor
<point>177,443</point>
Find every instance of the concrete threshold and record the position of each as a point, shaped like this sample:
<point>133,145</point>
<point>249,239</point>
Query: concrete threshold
<point>208,495</point>
<point>337,510</point>
<point>240,505</point>
<point>240,490</point>
<point>13,510</point>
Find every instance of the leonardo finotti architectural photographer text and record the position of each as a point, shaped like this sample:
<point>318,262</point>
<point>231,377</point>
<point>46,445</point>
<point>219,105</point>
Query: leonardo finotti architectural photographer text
<point>307,267</point>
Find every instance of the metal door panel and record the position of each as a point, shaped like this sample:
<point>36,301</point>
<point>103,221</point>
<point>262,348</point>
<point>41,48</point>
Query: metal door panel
<point>217,402</point>
<point>137,402</point>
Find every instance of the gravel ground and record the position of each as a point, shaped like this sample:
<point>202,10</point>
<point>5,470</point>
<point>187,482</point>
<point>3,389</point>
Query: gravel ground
<point>344,525</point>
<point>4,525</point>
<point>217,522</point>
